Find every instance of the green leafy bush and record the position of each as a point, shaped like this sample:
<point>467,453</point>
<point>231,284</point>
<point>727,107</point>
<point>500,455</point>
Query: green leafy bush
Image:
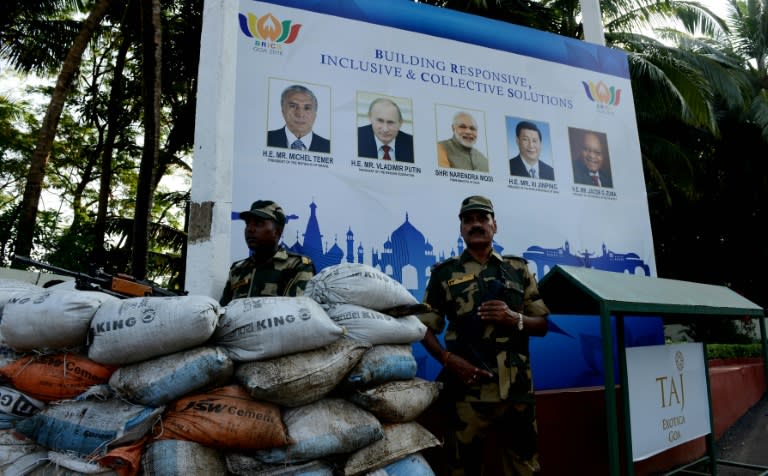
<point>733,351</point>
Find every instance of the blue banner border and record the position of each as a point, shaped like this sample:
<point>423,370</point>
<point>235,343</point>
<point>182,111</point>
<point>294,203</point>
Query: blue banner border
<point>472,29</point>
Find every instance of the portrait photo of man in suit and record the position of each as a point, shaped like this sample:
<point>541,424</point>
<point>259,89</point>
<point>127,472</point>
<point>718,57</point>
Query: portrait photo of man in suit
<point>298,105</point>
<point>528,163</point>
<point>591,163</point>
<point>460,150</point>
<point>383,137</point>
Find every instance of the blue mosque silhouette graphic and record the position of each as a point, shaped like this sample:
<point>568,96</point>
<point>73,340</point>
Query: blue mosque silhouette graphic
<point>407,255</point>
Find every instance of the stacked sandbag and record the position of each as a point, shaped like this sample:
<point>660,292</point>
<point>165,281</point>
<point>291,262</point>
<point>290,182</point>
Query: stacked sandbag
<point>258,328</point>
<point>224,418</point>
<point>15,406</point>
<point>180,457</point>
<point>373,307</point>
<point>19,454</point>
<point>357,283</point>
<point>135,329</point>
<point>11,287</point>
<point>166,378</point>
<point>49,319</point>
<point>8,289</point>
<point>298,379</point>
<point>401,442</point>
<point>263,386</point>
<point>80,412</point>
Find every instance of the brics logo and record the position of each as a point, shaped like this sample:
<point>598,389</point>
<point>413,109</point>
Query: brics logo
<point>601,94</point>
<point>267,30</point>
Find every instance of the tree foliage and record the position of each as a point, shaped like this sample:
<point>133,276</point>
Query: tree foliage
<point>699,84</point>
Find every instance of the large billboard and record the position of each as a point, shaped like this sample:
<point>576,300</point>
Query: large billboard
<point>466,96</point>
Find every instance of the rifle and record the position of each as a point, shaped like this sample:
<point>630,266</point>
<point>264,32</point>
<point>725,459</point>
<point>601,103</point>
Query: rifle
<point>120,285</point>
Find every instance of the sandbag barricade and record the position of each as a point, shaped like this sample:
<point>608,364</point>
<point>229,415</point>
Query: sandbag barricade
<point>333,387</point>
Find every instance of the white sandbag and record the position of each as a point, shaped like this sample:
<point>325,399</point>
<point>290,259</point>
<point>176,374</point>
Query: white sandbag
<point>357,283</point>
<point>15,406</point>
<point>89,427</point>
<point>27,465</point>
<point>181,458</point>
<point>135,329</point>
<point>398,401</point>
<point>375,327</point>
<point>77,465</point>
<point>400,440</point>
<point>326,427</point>
<point>258,328</point>
<point>13,447</point>
<point>11,287</point>
<point>382,363</point>
<point>412,465</point>
<point>240,464</point>
<point>47,319</point>
<point>301,378</point>
<point>7,353</point>
<point>157,381</point>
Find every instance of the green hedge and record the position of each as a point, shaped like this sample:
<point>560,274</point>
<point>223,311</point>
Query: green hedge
<point>733,351</point>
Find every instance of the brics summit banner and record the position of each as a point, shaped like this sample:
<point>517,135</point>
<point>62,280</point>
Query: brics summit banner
<point>458,101</point>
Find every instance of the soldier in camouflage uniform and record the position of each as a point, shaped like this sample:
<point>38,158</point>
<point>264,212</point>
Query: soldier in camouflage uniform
<point>491,304</point>
<point>270,270</point>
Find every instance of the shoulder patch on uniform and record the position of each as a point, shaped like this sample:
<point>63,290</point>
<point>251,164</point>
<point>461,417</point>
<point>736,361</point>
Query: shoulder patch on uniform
<point>305,260</point>
<point>439,265</point>
<point>237,264</point>
<point>515,258</point>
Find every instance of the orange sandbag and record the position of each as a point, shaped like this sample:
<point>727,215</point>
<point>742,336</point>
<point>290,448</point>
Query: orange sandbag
<point>224,418</point>
<point>125,460</point>
<point>56,376</point>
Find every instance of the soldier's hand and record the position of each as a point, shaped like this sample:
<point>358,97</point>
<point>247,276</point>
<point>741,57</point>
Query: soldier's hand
<point>466,371</point>
<point>498,311</point>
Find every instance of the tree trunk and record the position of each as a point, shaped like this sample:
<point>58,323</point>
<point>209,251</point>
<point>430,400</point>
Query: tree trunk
<point>152,55</point>
<point>39,159</point>
<point>114,123</point>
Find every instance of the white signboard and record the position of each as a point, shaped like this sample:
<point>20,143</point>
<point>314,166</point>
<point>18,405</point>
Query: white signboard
<point>401,216</point>
<point>346,203</point>
<point>668,397</point>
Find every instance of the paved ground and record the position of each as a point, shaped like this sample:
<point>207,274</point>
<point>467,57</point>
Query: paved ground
<point>745,442</point>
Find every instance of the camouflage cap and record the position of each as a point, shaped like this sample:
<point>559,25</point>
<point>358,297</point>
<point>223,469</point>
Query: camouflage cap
<point>265,209</point>
<point>476,202</point>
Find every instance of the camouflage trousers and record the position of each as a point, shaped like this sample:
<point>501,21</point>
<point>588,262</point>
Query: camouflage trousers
<point>490,439</point>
